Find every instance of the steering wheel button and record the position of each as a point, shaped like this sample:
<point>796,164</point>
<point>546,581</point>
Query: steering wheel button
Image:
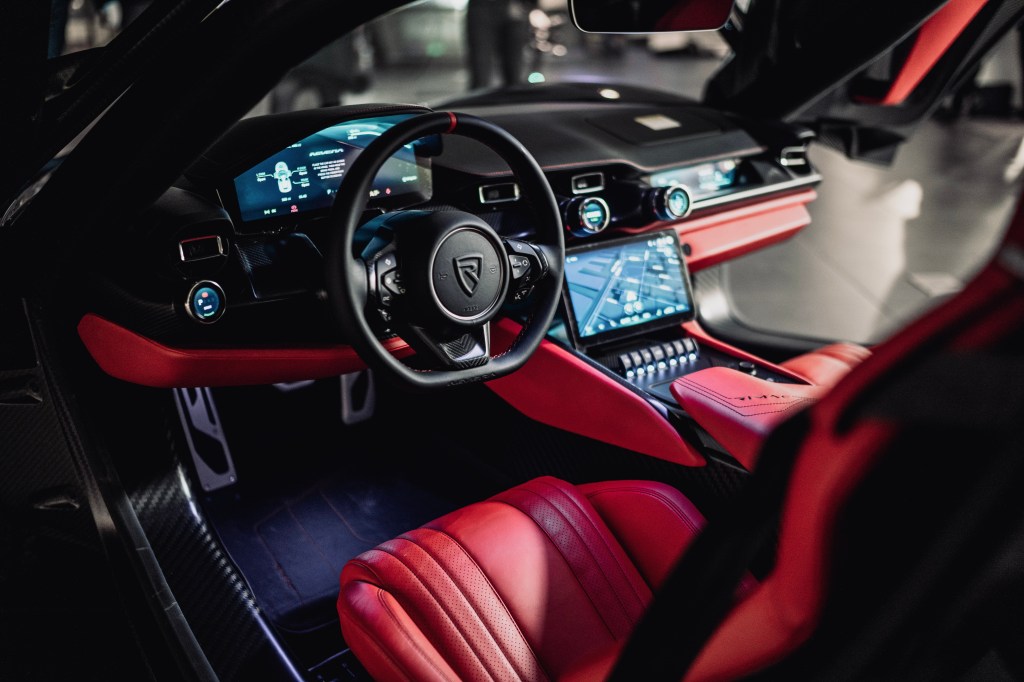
<point>392,283</point>
<point>520,266</point>
<point>522,294</point>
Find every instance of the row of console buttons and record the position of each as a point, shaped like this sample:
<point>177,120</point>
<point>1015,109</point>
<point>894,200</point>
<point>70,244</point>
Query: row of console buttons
<point>658,357</point>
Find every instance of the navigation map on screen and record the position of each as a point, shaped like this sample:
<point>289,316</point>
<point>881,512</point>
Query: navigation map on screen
<point>627,284</point>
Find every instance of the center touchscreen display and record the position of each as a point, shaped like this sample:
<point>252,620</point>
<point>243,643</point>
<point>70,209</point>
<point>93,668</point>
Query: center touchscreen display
<point>626,286</point>
<point>306,175</point>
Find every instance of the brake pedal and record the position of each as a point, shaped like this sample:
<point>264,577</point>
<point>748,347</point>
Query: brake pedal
<point>205,437</point>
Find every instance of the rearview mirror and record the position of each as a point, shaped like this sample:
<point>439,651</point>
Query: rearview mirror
<point>649,16</point>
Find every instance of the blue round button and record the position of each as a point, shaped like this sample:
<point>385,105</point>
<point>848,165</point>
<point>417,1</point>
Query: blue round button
<point>678,202</point>
<point>206,302</point>
<point>594,215</point>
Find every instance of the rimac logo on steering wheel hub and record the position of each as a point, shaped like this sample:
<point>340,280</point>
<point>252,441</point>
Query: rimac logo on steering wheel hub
<point>467,270</point>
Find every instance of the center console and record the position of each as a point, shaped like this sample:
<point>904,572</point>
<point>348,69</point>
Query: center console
<point>625,303</point>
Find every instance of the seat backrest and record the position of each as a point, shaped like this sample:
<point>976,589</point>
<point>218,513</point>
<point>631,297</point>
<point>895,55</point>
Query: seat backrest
<point>916,398</point>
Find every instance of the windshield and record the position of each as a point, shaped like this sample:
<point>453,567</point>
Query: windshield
<point>77,25</point>
<point>435,50</point>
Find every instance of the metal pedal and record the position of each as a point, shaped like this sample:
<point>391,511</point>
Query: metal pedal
<point>294,385</point>
<point>358,396</point>
<point>205,437</point>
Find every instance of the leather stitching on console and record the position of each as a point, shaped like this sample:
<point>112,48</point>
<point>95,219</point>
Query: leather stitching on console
<point>724,400</point>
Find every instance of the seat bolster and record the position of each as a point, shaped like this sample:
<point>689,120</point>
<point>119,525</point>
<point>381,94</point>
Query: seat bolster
<point>826,366</point>
<point>390,645</point>
<point>652,521</point>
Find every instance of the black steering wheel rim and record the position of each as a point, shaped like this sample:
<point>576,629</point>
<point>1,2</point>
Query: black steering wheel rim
<point>347,274</point>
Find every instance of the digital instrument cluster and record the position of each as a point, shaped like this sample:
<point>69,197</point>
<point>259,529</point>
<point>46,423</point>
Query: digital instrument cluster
<point>305,176</point>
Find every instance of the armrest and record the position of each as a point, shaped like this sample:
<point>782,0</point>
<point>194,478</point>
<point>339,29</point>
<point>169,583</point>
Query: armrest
<point>739,410</point>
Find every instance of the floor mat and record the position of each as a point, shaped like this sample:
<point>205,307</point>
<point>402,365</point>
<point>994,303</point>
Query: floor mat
<point>291,549</point>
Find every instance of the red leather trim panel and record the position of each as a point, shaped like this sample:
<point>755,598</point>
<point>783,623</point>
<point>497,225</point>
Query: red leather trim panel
<point>933,39</point>
<point>131,357</point>
<point>739,410</point>
<point>727,240</point>
<point>694,329</point>
<point>826,366</point>
<point>722,236</point>
<point>558,389</point>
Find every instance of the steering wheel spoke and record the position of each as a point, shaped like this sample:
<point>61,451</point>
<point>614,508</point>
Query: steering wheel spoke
<point>452,348</point>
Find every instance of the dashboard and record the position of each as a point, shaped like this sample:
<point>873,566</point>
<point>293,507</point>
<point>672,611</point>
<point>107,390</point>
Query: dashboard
<point>232,254</point>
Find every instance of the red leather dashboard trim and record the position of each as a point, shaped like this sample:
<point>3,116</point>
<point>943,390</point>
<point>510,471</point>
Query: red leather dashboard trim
<point>697,332</point>
<point>558,389</point>
<point>723,236</point>
<point>131,357</point>
<point>932,41</point>
<point>738,410</point>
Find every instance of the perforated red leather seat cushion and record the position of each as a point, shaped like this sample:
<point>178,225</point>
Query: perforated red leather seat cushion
<point>531,584</point>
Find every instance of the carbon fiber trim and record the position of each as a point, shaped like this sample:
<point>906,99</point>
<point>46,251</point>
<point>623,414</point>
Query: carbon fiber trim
<point>213,595</point>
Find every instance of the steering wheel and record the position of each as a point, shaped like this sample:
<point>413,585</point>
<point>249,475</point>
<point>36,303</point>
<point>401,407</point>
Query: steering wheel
<point>438,277</point>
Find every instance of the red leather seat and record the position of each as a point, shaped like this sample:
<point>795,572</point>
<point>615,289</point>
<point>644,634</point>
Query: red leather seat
<point>531,584</point>
<point>546,580</point>
<point>826,366</point>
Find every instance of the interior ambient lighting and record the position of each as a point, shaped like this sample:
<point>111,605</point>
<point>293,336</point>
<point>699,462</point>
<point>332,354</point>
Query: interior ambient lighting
<point>608,93</point>
<point>536,77</point>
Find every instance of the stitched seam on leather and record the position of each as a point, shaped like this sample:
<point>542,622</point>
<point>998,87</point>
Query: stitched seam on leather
<point>380,648</point>
<point>596,565</point>
<point>604,541</point>
<point>453,621</point>
<point>465,596</point>
<point>717,397</point>
<point>714,394</point>
<point>406,634</point>
<point>501,601</point>
<point>565,560</point>
<point>590,552</point>
<point>668,502</point>
<point>451,618</point>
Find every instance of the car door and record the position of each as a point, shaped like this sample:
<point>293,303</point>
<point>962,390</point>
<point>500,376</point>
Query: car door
<point>862,74</point>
